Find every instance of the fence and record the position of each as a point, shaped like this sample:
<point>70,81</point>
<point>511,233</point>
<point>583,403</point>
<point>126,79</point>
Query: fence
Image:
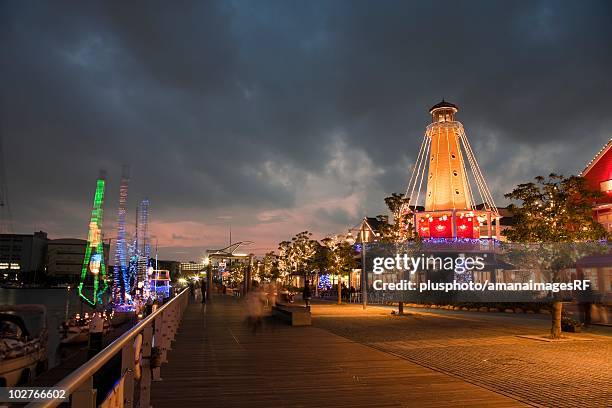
<point>158,328</point>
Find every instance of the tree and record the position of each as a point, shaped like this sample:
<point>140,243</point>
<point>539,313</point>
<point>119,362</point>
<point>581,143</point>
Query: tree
<point>319,264</point>
<point>340,259</point>
<point>302,252</point>
<point>267,268</point>
<point>284,260</point>
<point>392,232</point>
<point>554,212</point>
<point>236,274</point>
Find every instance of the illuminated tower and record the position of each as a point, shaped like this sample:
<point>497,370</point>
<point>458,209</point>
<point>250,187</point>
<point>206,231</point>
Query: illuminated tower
<point>94,270</point>
<point>143,250</point>
<point>121,281</point>
<point>450,211</point>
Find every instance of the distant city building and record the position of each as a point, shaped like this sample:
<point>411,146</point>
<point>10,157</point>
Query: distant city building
<point>173,266</point>
<point>22,254</point>
<point>598,174</point>
<point>65,258</point>
<point>191,268</point>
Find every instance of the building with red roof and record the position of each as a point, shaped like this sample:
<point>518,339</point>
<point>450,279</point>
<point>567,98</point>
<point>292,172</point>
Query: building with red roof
<point>598,174</point>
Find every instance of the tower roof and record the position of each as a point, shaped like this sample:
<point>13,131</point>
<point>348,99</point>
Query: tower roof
<point>443,104</point>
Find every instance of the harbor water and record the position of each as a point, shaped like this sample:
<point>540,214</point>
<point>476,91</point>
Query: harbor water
<point>60,303</point>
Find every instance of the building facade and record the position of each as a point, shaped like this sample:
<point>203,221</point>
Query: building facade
<point>598,174</point>
<point>22,255</point>
<point>65,258</point>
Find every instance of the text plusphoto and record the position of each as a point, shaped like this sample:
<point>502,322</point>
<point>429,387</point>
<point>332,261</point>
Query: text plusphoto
<point>555,287</point>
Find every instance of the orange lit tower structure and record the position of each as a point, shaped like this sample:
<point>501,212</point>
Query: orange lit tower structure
<point>450,211</point>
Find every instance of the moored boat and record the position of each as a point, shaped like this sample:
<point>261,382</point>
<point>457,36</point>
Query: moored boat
<point>23,343</point>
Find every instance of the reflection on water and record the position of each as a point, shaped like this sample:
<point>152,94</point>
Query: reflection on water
<point>59,303</point>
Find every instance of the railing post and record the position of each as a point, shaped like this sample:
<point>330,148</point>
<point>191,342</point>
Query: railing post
<point>84,396</point>
<point>145,379</point>
<point>127,370</point>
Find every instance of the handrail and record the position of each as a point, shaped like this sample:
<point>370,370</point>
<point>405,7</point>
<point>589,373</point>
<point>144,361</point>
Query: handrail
<point>74,380</point>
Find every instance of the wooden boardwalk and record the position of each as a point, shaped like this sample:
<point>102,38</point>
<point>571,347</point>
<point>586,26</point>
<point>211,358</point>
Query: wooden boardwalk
<point>217,361</point>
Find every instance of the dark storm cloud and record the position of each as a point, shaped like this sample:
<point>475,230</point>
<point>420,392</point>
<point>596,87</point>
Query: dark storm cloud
<point>235,106</point>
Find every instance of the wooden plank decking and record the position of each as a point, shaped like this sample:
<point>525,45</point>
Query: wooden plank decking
<point>217,361</point>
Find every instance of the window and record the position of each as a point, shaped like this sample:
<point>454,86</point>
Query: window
<point>453,156</point>
<point>457,192</point>
<point>455,173</point>
<point>591,274</point>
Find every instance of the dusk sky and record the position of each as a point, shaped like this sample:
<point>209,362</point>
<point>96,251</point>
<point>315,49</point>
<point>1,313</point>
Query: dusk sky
<point>282,116</point>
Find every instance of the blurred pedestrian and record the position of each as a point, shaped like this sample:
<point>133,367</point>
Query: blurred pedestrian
<point>255,301</point>
<point>203,289</point>
<point>307,294</point>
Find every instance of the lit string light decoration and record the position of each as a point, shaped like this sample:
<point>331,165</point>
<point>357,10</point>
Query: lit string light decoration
<point>94,268</point>
<point>325,281</point>
<point>121,281</point>
<point>144,251</point>
<point>449,207</point>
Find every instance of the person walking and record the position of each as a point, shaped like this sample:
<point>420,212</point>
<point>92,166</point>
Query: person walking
<point>192,294</point>
<point>307,294</point>
<point>203,289</point>
<point>254,302</point>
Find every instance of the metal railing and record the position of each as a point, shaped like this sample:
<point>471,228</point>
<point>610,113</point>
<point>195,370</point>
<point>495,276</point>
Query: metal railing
<point>159,328</point>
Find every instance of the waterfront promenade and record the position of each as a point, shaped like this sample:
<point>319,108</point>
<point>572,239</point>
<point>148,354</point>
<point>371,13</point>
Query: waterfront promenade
<point>217,361</point>
<point>499,351</point>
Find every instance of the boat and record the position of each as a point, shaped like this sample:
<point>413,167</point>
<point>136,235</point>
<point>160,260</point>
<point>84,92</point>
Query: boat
<point>23,343</point>
<point>12,285</point>
<point>76,329</point>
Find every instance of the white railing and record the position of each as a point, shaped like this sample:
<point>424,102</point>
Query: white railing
<point>159,328</point>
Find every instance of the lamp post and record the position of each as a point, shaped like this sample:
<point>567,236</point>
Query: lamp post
<point>364,278</point>
<point>209,279</point>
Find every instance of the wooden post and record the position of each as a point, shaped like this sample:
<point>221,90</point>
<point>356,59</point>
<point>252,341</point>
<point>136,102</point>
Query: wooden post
<point>498,227</point>
<point>84,396</point>
<point>164,336</point>
<point>209,283</point>
<point>145,379</point>
<point>127,370</point>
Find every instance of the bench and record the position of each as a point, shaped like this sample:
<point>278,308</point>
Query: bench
<point>295,315</point>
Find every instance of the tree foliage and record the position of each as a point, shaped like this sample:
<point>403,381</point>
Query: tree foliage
<point>340,256</point>
<point>392,232</point>
<point>267,269</point>
<point>557,209</point>
<point>554,227</point>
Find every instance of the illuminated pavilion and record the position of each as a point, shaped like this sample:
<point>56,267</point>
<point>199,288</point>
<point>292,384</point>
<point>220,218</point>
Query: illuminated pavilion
<point>449,211</point>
